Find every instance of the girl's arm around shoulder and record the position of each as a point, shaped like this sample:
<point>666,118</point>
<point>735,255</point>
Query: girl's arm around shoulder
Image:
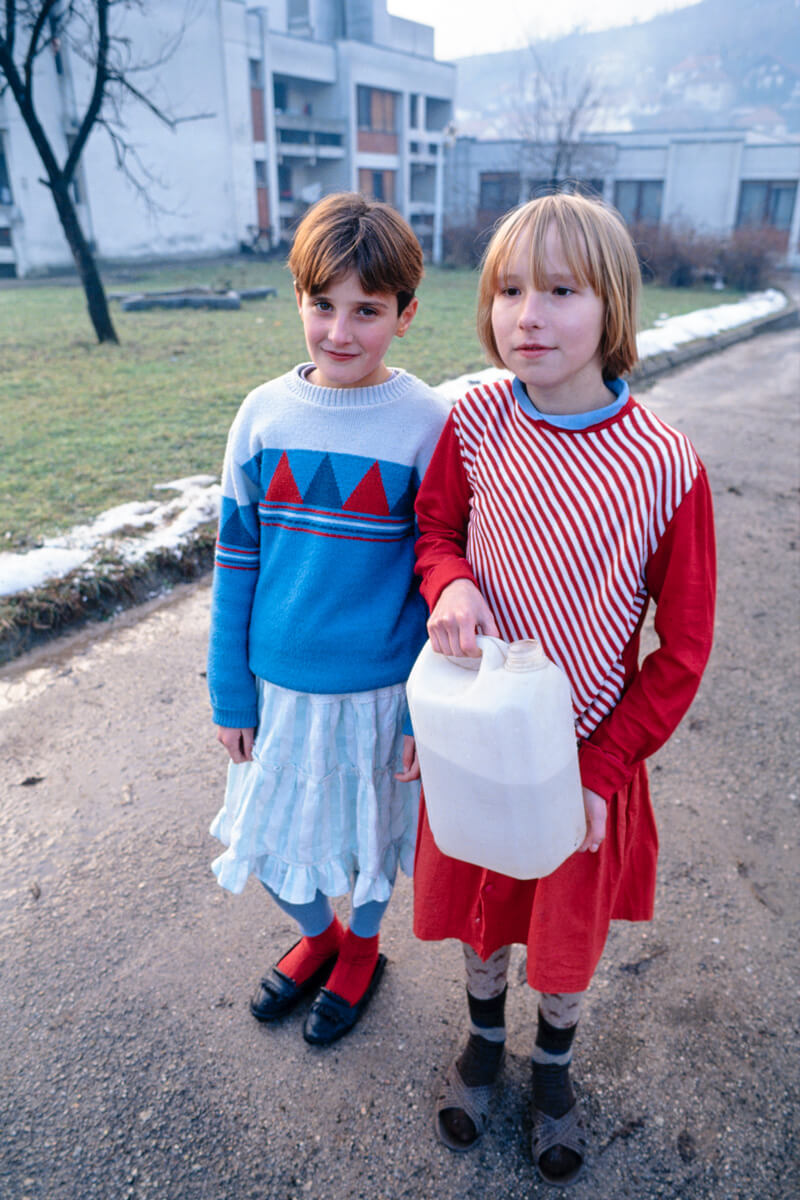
<point>681,578</point>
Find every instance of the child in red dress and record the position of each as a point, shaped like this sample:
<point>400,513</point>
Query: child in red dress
<point>556,507</point>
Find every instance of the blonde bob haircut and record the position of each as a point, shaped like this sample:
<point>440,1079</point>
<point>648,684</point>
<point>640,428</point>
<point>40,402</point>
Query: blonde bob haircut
<point>600,254</point>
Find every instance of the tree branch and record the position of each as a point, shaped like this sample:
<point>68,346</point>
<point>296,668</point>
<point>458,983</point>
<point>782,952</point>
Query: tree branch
<point>96,101</point>
<point>33,45</point>
<point>11,26</point>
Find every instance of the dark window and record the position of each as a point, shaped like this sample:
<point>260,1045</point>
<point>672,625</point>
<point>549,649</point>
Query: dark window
<point>261,173</point>
<point>766,203</point>
<point>75,185</point>
<point>5,181</point>
<point>580,187</point>
<point>5,236</point>
<point>280,95</point>
<point>376,110</point>
<point>297,14</point>
<point>377,185</point>
<point>639,200</point>
<point>56,44</point>
<point>285,182</point>
<point>499,190</point>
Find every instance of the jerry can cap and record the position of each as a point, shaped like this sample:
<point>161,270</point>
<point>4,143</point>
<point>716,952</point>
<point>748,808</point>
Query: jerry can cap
<point>526,655</point>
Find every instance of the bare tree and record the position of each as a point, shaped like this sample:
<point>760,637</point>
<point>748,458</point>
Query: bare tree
<point>556,104</point>
<point>27,30</point>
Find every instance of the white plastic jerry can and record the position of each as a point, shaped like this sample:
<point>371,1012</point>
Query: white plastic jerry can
<point>498,755</point>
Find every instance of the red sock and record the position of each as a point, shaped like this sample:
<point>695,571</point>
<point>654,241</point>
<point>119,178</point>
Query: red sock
<point>311,952</point>
<point>354,966</point>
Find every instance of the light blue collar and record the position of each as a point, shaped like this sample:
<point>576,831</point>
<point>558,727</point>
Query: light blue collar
<point>575,420</point>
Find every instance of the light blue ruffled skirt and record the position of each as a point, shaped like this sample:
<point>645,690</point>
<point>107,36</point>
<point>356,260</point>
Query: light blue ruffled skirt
<point>319,807</point>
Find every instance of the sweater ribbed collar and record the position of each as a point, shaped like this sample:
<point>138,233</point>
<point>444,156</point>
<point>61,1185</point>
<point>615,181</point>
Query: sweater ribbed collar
<point>393,389</point>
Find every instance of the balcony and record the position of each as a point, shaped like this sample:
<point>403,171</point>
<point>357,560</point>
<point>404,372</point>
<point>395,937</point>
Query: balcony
<point>300,135</point>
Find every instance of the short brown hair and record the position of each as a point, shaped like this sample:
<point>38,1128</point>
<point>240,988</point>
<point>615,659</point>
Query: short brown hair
<point>345,232</point>
<point>600,254</point>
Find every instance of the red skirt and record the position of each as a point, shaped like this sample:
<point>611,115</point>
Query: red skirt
<point>563,919</point>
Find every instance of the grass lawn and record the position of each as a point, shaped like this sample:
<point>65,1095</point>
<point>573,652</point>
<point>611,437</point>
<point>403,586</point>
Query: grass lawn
<point>85,427</point>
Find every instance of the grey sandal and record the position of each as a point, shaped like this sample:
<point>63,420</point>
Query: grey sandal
<point>564,1131</point>
<point>474,1101</point>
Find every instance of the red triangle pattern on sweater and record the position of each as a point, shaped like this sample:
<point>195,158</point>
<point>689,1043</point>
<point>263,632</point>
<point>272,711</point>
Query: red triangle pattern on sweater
<point>282,488</point>
<point>369,496</point>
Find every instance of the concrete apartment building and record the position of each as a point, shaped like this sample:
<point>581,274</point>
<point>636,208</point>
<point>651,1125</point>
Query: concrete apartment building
<point>274,105</point>
<point>711,181</point>
<point>277,104</point>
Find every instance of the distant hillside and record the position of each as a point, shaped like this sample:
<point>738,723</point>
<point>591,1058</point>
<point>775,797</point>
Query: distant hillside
<point>719,63</point>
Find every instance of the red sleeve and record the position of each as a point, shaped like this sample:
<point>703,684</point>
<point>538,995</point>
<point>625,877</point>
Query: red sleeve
<point>681,579</point>
<point>442,507</point>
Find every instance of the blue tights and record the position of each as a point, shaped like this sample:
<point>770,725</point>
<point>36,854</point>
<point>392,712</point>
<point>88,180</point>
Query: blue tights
<point>315,917</point>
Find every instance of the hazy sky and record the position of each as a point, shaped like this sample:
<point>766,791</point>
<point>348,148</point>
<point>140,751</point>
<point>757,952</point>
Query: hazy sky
<point>481,26</point>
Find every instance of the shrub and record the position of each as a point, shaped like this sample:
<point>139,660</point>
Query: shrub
<point>747,258</point>
<point>680,257</point>
<point>463,245</point>
<point>674,256</point>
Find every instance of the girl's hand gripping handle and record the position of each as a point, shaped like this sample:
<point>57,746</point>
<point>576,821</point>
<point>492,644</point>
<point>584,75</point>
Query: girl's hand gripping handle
<point>458,616</point>
<point>238,742</point>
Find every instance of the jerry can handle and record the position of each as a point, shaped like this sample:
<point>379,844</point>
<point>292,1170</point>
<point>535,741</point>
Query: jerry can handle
<point>494,652</point>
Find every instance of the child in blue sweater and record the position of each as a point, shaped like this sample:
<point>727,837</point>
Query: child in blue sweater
<point>316,618</point>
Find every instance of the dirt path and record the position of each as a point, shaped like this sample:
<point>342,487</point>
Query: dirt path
<point>130,1066</point>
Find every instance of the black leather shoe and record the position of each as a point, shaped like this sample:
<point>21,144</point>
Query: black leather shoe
<point>330,1017</point>
<point>278,994</point>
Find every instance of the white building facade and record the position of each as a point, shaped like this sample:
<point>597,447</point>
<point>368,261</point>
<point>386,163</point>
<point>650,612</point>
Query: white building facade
<point>272,106</point>
<point>710,181</point>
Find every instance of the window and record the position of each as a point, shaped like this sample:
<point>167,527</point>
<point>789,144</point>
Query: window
<point>377,185</point>
<point>55,44</point>
<point>639,200</point>
<point>413,110</point>
<point>572,187</point>
<point>767,203</point>
<point>257,99</point>
<point>5,181</point>
<point>261,173</point>
<point>75,184</point>
<point>499,190</point>
<point>297,16</point>
<point>5,237</point>
<point>376,110</point>
<point>280,95</point>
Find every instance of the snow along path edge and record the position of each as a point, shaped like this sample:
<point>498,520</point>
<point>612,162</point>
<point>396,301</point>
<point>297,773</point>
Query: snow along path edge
<point>100,569</point>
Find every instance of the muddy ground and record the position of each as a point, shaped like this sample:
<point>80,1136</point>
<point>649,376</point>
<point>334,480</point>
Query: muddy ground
<point>130,1064</point>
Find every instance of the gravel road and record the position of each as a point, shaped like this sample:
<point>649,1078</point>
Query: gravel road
<point>130,1064</point>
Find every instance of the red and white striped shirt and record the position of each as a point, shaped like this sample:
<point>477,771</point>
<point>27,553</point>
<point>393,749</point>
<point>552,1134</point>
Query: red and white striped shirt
<point>558,528</point>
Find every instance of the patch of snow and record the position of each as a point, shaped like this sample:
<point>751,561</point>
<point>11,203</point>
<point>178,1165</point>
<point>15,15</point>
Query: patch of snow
<point>705,322</point>
<point>170,525</point>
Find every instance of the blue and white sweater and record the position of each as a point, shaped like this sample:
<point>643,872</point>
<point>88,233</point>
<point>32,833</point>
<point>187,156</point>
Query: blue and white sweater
<point>313,584</point>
